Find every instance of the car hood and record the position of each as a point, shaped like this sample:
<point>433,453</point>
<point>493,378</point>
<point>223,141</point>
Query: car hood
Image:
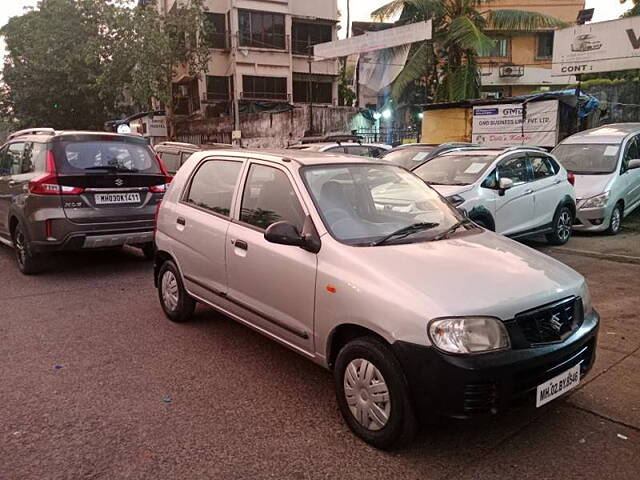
<point>448,190</point>
<point>591,185</point>
<point>471,273</point>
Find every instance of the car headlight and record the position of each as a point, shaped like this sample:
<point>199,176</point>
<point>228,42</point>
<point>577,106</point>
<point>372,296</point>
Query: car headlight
<point>587,307</point>
<point>468,334</point>
<point>598,201</point>
<point>456,200</point>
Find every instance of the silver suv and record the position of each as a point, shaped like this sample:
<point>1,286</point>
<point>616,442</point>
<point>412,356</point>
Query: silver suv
<point>77,190</point>
<point>416,310</point>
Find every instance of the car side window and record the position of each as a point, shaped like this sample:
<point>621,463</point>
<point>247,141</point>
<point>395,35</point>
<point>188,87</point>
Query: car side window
<point>632,152</point>
<point>375,152</point>
<point>184,156</point>
<point>171,161</point>
<point>213,184</point>
<point>269,197</point>
<point>16,158</point>
<point>358,150</point>
<point>5,162</point>
<point>492,180</point>
<point>335,150</point>
<point>514,168</point>
<point>542,166</point>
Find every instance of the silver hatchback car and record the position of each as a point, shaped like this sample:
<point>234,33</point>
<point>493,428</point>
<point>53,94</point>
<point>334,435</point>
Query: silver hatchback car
<point>365,270</point>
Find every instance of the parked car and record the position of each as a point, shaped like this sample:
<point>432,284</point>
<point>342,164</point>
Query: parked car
<point>515,191</point>
<point>606,165</point>
<point>174,154</point>
<point>373,150</point>
<point>416,310</point>
<point>412,155</point>
<point>64,190</point>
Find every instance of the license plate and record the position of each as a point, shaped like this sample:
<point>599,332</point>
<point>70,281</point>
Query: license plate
<point>116,198</point>
<point>558,385</point>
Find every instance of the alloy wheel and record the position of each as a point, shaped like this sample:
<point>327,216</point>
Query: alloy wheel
<point>616,219</point>
<point>367,394</point>
<point>563,226</point>
<point>170,291</point>
<point>20,247</point>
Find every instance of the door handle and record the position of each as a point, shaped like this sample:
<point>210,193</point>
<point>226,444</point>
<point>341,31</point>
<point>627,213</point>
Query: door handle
<point>528,192</point>
<point>181,221</point>
<point>241,244</point>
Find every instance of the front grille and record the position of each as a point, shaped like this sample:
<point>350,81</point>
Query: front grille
<point>551,323</point>
<point>480,398</point>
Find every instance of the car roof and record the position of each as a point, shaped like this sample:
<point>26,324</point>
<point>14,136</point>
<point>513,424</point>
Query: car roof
<point>320,145</point>
<point>44,134</point>
<point>614,133</point>
<point>473,151</point>
<point>302,157</point>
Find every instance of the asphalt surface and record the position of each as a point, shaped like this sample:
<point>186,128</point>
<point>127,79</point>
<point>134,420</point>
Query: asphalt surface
<point>96,383</point>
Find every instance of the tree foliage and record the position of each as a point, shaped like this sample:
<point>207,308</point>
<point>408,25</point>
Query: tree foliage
<point>449,62</point>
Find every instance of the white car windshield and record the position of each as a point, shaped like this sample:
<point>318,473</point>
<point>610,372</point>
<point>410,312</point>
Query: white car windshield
<point>373,204</point>
<point>454,168</point>
<point>588,158</point>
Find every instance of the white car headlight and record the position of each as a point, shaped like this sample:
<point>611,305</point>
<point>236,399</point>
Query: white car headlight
<point>587,307</point>
<point>598,201</point>
<point>468,334</point>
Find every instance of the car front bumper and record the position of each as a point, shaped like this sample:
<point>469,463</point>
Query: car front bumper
<point>461,386</point>
<point>592,219</point>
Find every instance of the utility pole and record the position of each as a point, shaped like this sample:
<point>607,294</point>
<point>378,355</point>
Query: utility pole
<point>584,16</point>
<point>310,87</point>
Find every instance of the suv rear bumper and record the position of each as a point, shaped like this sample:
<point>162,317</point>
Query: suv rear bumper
<point>470,386</point>
<point>95,239</point>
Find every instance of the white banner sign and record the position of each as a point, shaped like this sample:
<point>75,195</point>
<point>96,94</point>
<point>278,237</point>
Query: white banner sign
<point>156,126</point>
<point>502,125</point>
<point>371,41</point>
<point>597,47</point>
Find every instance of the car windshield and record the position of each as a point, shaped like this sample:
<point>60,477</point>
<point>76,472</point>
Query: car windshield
<point>364,204</point>
<point>588,159</point>
<point>455,168</point>
<point>98,154</point>
<point>409,157</point>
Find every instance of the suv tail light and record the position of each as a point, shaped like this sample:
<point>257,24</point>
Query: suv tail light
<point>571,178</point>
<point>48,184</point>
<point>162,188</point>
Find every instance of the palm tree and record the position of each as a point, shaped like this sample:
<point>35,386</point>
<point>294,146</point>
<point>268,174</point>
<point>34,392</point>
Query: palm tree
<point>449,62</point>
<point>634,10</point>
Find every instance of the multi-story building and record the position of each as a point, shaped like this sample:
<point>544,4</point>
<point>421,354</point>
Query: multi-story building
<point>260,52</point>
<point>521,62</point>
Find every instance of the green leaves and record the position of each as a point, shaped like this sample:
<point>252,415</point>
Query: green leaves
<point>468,35</point>
<point>521,20</point>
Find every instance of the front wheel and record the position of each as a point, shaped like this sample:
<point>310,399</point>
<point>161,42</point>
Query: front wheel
<point>28,262</point>
<point>562,227</point>
<point>177,304</point>
<point>372,393</point>
<point>615,223</point>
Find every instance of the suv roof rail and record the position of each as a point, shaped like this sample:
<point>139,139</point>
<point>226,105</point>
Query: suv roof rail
<point>32,131</point>
<point>177,144</point>
<point>525,147</point>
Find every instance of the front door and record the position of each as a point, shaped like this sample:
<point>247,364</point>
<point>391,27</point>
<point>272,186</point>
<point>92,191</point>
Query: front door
<point>631,178</point>
<point>275,284</point>
<point>515,209</point>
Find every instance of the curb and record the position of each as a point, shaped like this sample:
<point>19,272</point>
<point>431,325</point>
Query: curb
<point>602,256</point>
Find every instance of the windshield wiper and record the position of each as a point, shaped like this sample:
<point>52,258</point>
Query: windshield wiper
<point>404,231</point>
<point>451,229</point>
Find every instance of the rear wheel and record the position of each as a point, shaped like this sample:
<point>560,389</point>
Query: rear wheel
<point>562,227</point>
<point>28,262</point>
<point>177,304</point>
<point>615,223</point>
<point>372,393</point>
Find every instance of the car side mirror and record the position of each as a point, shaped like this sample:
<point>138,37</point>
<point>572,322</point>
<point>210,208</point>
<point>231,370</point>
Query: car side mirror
<point>503,185</point>
<point>284,233</point>
<point>633,164</point>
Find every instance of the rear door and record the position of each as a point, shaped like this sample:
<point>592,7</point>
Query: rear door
<point>514,209</point>
<point>5,195</point>
<point>548,187</point>
<point>108,179</point>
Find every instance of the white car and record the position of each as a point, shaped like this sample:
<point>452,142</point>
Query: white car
<point>606,165</point>
<point>516,191</point>
<point>373,150</point>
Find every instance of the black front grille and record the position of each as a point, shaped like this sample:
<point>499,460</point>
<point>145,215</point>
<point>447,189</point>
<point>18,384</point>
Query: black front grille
<point>551,323</point>
<point>480,398</point>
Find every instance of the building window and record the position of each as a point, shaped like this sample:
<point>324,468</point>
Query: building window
<point>264,88</point>
<point>215,30</point>
<point>218,88</point>
<point>545,45</point>
<point>186,98</point>
<point>316,89</point>
<point>261,30</point>
<point>306,35</point>
<point>500,49</point>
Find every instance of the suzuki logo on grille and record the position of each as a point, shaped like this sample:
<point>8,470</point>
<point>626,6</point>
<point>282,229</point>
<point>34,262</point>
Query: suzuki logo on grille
<point>555,322</point>
<point>119,182</point>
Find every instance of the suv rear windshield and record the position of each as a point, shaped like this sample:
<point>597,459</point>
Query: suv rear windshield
<point>587,158</point>
<point>409,157</point>
<point>94,153</point>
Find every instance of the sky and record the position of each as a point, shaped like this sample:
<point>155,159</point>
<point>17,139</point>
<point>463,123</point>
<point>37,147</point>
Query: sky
<point>360,10</point>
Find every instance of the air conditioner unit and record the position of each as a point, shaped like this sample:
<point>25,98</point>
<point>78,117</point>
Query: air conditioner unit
<point>511,71</point>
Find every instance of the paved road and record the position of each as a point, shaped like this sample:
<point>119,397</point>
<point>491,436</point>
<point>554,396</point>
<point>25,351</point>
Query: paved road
<point>95,383</point>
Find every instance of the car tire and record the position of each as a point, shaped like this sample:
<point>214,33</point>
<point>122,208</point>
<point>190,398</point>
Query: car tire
<point>28,262</point>
<point>562,226</point>
<point>615,222</point>
<point>176,303</point>
<point>148,250</point>
<point>365,367</point>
